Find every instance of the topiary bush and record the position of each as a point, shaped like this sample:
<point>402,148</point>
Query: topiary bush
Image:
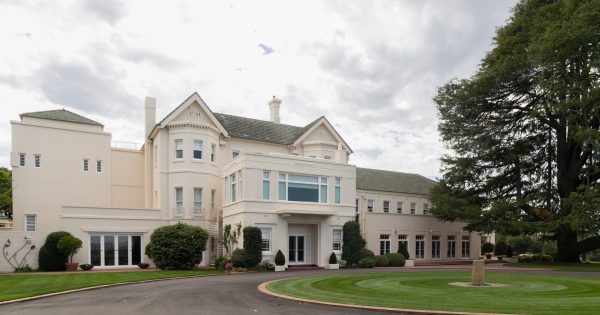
<point>50,258</point>
<point>366,263</point>
<point>403,250</point>
<point>352,242</point>
<point>238,258</point>
<point>252,246</point>
<point>500,248</point>
<point>487,247</point>
<point>381,261</point>
<point>177,246</point>
<point>69,245</point>
<point>279,258</point>
<point>366,253</point>
<point>333,259</point>
<point>396,260</point>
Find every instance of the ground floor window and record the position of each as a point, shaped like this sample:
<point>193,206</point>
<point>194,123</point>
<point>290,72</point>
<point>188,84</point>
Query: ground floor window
<point>108,250</point>
<point>451,246</point>
<point>403,239</point>
<point>419,246</point>
<point>435,246</point>
<point>384,244</point>
<point>337,239</point>
<point>265,239</point>
<point>466,244</point>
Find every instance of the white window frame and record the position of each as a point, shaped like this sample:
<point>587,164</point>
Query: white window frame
<point>268,240</point>
<point>198,148</point>
<point>198,203</point>
<point>425,209</point>
<point>413,208</point>
<point>465,251</point>
<point>451,239</point>
<point>178,149</point>
<point>384,244</point>
<point>399,207</point>
<point>213,198</point>
<point>22,159</point>
<point>213,152</point>
<point>98,166</point>
<point>386,209</point>
<point>336,242</point>
<point>178,202</point>
<point>370,205</point>
<point>403,238</point>
<point>233,187</point>
<point>436,239</point>
<point>27,225</point>
<point>37,160</point>
<point>420,247</point>
<point>321,183</point>
<point>266,185</point>
<point>337,196</point>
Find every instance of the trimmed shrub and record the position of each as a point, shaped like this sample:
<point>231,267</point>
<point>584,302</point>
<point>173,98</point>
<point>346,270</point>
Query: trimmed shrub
<point>69,245</point>
<point>487,248</point>
<point>333,259</point>
<point>238,258</point>
<point>509,251</point>
<point>266,265</point>
<point>366,263</point>
<point>252,246</point>
<point>500,248</point>
<point>177,246</point>
<point>403,250</point>
<point>366,253</point>
<point>381,261</point>
<point>352,242</point>
<point>279,258</point>
<point>50,258</point>
<point>396,260</point>
<point>228,266</point>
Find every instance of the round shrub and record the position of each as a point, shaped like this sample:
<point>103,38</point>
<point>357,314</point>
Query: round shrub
<point>487,247</point>
<point>366,253</point>
<point>500,248</point>
<point>403,250</point>
<point>396,260</point>
<point>352,242</point>
<point>381,261</point>
<point>366,263</point>
<point>177,246</point>
<point>238,258</point>
<point>333,259</point>
<point>279,258</point>
<point>50,258</point>
<point>252,246</point>
<point>228,266</point>
<point>69,245</point>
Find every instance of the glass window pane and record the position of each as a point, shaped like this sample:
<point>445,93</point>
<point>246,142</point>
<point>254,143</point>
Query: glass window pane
<point>337,194</point>
<point>95,250</point>
<point>266,187</point>
<point>123,250</point>
<point>109,250</point>
<point>303,192</point>
<point>304,178</point>
<point>282,191</point>
<point>136,249</point>
<point>323,193</point>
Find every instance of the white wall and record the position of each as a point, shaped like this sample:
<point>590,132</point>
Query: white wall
<point>17,239</point>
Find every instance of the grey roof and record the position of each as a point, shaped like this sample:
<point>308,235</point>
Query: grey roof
<point>62,115</point>
<point>379,180</point>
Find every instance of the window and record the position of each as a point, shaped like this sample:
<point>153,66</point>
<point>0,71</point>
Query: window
<point>266,185</point>
<point>399,207</point>
<point>413,208</point>
<point>425,208</point>
<point>386,206</point>
<point>233,183</point>
<point>86,165</point>
<point>403,239</point>
<point>435,246</point>
<point>466,244</point>
<point>213,152</point>
<point>30,222</point>
<point>22,159</point>
<point>179,149</point>
<point>178,201</point>
<point>197,201</point>
<point>213,198</point>
<point>370,205</point>
<point>304,188</point>
<point>235,153</point>
<point>115,250</point>
<point>337,239</point>
<point>420,247</point>
<point>451,246</point>
<point>265,240</point>
<point>37,160</point>
<point>384,244</point>
<point>99,166</point>
<point>197,150</point>
<point>338,190</point>
<point>356,206</point>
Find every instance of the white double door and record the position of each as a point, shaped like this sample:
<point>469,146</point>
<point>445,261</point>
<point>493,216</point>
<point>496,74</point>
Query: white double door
<point>299,245</point>
<point>109,250</point>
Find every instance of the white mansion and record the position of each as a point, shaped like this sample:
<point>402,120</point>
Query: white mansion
<point>212,170</point>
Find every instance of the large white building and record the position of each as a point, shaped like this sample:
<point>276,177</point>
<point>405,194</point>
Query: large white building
<point>215,170</point>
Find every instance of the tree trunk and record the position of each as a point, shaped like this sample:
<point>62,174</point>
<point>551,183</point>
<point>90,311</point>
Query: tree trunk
<point>566,244</point>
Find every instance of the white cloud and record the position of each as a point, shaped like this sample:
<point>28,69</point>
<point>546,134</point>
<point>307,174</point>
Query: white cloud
<point>371,68</point>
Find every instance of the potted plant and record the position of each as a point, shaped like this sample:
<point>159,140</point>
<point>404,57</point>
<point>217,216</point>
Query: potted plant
<point>333,262</point>
<point>279,261</point>
<point>69,245</point>
<point>404,251</point>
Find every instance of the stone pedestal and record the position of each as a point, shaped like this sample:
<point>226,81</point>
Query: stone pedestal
<point>478,273</point>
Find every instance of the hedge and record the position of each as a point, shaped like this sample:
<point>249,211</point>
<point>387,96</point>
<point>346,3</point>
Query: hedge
<point>352,242</point>
<point>252,246</point>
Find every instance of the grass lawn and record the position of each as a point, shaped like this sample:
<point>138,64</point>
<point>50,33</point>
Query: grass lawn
<point>559,266</point>
<point>526,294</point>
<point>26,285</point>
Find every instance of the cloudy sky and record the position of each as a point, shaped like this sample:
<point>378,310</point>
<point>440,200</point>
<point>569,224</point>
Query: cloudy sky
<point>371,67</point>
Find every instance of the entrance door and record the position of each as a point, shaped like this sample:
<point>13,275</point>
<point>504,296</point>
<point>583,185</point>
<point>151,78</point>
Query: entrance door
<point>296,249</point>
<point>115,250</point>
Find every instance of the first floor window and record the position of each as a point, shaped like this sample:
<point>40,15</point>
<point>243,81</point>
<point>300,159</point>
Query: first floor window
<point>213,152</point>
<point>179,149</point>
<point>213,198</point>
<point>37,160</point>
<point>370,205</point>
<point>197,150</point>
<point>386,206</point>
<point>466,244</point>
<point>178,201</point>
<point>323,189</point>
<point>425,208</point>
<point>337,239</point>
<point>233,188</point>
<point>265,239</point>
<point>435,246</point>
<point>30,222</point>
<point>197,201</point>
<point>413,208</point>
<point>403,239</point>
<point>384,244</point>
<point>451,246</point>
<point>86,165</point>
<point>399,207</point>
<point>266,185</point>
<point>99,166</point>
<point>420,246</point>
<point>338,190</point>
<point>22,159</point>
<point>303,188</point>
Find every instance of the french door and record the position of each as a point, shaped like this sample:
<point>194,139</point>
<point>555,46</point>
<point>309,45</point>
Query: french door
<point>296,249</point>
<point>107,250</point>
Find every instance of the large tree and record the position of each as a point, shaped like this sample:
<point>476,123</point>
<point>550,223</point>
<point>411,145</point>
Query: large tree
<point>523,131</point>
<point>5,192</point>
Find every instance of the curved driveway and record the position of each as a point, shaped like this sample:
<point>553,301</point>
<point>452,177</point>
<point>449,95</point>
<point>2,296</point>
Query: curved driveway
<point>227,294</point>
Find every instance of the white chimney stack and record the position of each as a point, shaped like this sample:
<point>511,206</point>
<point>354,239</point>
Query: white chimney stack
<point>274,107</point>
<point>150,113</point>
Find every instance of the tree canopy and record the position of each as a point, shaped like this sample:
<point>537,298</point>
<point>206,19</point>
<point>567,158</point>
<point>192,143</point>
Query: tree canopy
<point>5,192</point>
<point>523,131</point>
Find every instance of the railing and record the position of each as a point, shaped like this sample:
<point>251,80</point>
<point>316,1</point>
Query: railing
<point>125,145</point>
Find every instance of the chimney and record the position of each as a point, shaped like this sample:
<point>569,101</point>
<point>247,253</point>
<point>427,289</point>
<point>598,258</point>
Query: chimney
<point>150,113</point>
<point>274,107</point>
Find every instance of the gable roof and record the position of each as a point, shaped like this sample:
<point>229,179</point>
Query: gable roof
<point>259,130</point>
<point>315,124</point>
<point>397,182</point>
<point>61,115</point>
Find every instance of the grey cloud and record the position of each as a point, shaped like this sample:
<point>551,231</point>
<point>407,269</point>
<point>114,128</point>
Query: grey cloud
<point>109,10</point>
<point>160,60</point>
